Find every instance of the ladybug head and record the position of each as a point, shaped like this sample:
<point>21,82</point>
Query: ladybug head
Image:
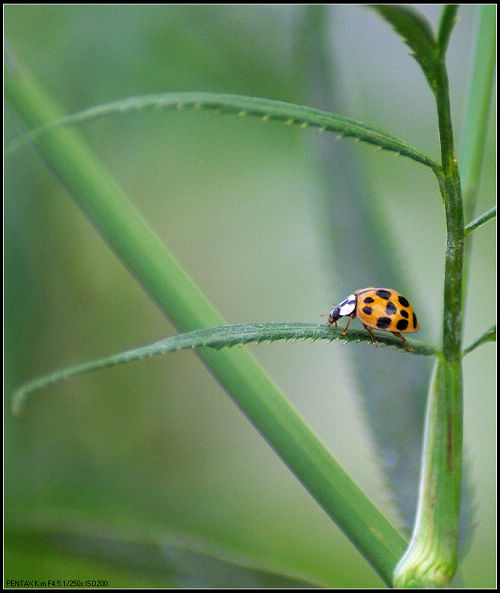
<point>334,315</point>
<point>343,309</point>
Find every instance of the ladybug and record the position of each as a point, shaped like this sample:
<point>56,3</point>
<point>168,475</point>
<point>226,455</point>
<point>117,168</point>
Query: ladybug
<point>380,308</point>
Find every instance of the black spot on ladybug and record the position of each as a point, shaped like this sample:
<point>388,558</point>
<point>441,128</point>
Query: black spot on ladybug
<point>368,300</point>
<point>367,310</point>
<point>391,308</point>
<point>384,294</point>
<point>415,322</point>
<point>402,324</point>
<point>403,301</point>
<point>383,322</point>
<point>404,313</point>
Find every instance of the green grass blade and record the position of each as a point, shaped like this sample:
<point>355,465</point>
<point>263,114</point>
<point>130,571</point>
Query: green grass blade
<point>218,337</point>
<point>161,275</point>
<point>266,109</point>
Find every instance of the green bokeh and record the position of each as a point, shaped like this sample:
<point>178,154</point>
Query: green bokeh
<point>159,444</point>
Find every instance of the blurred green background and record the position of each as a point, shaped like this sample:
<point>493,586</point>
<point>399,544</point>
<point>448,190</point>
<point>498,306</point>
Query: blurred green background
<point>158,444</point>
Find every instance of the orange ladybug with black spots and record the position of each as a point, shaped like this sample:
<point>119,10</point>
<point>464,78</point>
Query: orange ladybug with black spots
<point>378,308</point>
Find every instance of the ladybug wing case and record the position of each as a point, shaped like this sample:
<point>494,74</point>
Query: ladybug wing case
<point>386,309</point>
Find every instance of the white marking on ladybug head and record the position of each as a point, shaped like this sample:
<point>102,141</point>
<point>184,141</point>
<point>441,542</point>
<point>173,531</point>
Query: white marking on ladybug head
<point>347,306</point>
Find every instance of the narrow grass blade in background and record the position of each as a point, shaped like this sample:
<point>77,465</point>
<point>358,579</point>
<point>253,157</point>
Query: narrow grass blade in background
<point>147,558</point>
<point>478,108</point>
<point>394,407</point>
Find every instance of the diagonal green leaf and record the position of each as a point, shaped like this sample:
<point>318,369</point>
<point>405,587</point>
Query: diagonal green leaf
<point>480,220</point>
<point>416,33</point>
<point>218,337</point>
<point>490,335</point>
<point>266,109</point>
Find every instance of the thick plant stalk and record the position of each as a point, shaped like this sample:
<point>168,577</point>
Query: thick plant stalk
<point>431,558</point>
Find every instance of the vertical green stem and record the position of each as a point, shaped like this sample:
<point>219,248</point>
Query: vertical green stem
<point>431,557</point>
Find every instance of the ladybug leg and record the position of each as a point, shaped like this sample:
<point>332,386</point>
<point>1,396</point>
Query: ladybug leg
<point>405,343</point>
<point>371,334</point>
<point>351,316</point>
